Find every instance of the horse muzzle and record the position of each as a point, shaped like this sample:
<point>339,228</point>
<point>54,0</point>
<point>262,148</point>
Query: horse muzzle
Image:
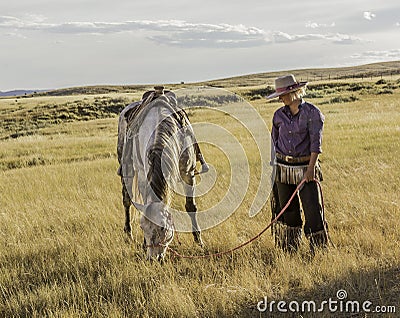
<point>158,251</point>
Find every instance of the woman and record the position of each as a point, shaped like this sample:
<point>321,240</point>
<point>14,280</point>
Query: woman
<point>297,137</point>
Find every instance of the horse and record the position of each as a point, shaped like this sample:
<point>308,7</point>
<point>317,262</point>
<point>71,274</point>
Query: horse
<point>156,150</point>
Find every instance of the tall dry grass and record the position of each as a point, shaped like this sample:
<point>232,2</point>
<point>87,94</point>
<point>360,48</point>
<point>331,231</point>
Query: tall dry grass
<point>63,254</point>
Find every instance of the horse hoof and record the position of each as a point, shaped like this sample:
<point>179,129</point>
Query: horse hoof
<point>204,168</point>
<point>197,238</point>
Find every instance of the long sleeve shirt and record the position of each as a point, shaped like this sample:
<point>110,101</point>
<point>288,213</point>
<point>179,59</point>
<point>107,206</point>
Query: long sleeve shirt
<point>298,135</point>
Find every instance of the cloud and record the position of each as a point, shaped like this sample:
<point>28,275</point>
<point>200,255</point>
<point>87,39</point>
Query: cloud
<point>368,15</point>
<point>282,37</point>
<point>209,35</point>
<point>170,32</point>
<point>315,25</point>
<point>10,22</point>
<point>378,55</point>
<point>336,38</point>
<point>15,35</point>
<point>340,38</point>
<point>177,32</point>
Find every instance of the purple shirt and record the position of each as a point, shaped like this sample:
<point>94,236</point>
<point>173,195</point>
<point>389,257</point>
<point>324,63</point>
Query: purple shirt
<point>298,135</point>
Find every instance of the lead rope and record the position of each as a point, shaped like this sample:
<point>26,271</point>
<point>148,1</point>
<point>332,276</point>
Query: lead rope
<point>262,232</point>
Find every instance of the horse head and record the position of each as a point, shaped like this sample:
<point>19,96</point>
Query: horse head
<point>157,227</point>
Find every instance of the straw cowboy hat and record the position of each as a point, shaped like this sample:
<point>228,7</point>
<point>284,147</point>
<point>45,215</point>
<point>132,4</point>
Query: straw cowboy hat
<point>286,84</point>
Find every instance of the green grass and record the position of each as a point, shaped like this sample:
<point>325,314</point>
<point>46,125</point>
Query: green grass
<point>62,248</point>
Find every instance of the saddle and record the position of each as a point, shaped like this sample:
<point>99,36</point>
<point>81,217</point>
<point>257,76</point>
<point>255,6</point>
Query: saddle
<point>129,114</point>
<point>180,115</point>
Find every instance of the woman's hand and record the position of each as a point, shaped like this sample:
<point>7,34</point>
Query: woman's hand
<point>309,175</point>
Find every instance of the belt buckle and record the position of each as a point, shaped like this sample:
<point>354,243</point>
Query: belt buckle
<point>289,158</point>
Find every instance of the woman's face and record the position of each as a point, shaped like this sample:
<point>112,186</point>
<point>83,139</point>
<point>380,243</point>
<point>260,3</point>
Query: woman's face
<point>285,98</point>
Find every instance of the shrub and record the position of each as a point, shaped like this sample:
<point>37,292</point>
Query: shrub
<point>28,121</point>
<point>254,97</point>
<point>260,92</point>
<point>354,87</point>
<point>385,91</point>
<point>390,86</point>
<point>341,99</point>
<point>314,94</point>
<point>208,101</point>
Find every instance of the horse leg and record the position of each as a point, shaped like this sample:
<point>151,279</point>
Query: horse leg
<point>126,200</point>
<point>191,208</point>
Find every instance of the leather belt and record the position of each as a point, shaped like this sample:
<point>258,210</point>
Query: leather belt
<point>291,159</point>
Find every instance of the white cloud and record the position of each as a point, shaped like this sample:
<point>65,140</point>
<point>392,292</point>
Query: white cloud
<point>340,38</point>
<point>397,24</point>
<point>315,25</point>
<point>113,27</point>
<point>385,55</point>
<point>35,17</point>
<point>337,38</point>
<point>173,32</point>
<point>208,35</point>
<point>10,22</point>
<point>369,15</point>
<point>179,33</point>
<point>15,35</point>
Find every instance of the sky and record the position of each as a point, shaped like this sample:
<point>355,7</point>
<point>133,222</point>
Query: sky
<point>48,44</point>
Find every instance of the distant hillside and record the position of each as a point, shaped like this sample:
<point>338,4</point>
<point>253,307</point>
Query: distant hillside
<point>99,89</point>
<point>317,74</point>
<point>21,92</point>
<point>362,71</point>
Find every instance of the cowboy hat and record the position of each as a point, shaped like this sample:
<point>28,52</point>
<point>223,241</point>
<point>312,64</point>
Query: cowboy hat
<point>286,84</point>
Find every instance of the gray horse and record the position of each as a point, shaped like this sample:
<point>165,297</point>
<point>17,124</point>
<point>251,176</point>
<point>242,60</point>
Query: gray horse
<point>156,149</point>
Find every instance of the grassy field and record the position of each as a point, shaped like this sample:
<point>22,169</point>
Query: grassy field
<point>62,248</point>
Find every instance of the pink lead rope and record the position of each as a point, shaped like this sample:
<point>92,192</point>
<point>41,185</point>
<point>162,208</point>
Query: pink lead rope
<point>262,232</point>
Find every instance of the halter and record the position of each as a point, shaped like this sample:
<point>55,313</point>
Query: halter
<point>167,239</point>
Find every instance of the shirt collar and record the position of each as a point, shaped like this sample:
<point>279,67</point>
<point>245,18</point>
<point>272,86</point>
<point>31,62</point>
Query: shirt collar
<point>286,109</point>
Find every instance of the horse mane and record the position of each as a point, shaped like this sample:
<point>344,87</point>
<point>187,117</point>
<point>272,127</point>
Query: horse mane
<point>163,155</point>
<point>163,159</point>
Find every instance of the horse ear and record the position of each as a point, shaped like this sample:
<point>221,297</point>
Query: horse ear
<point>139,206</point>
